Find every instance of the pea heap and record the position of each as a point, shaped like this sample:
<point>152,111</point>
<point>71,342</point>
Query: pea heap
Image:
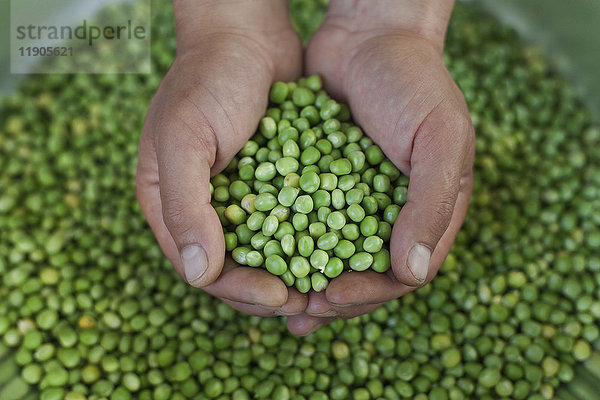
<point>92,310</point>
<point>309,196</point>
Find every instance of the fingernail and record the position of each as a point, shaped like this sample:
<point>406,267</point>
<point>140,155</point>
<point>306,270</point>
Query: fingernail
<point>195,264</point>
<point>418,262</point>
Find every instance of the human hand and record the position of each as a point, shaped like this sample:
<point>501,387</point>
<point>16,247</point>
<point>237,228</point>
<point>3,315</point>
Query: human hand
<point>206,108</point>
<point>386,63</point>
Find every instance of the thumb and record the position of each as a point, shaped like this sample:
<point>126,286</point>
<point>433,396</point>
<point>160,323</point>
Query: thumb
<point>440,149</point>
<point>185,155</point>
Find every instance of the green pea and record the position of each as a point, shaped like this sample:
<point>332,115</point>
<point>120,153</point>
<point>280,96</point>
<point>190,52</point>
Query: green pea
<point>285,228</point>
<point>374,154</point>
<point>247,203</point>
<point>259,240</point>
<point>270,225</point>
<point>288,244</point>
<point>369,226</point>
<point>324,146</point>
<point>299,266</point>
<point>344,249</point>
<point>309,182</point>
<point>321,198</point>
<point>275,264</point>
<point>286,165</point>
<point>329,109</point>
<point>273,247</point>
<point>274,113</point>
<point>338,199</point>
<point>328,181</point>
<point>310,155</point>
<point>265,171</point>
<point>334,267</point>
<point>354,197</point>
<point>381,183</point>
<point>280,212</point>
<point>292,179</point>
<point>360,261</point>
<point>317,229</point>
<point>324,163</point>
<point>336,220</point>
<point>318,281</point>
<point>323,213</point>
<point>286,134</point>
<point>268,127</point>
<point>221,193</point>
<point>255,221</point>
<point>290,115</point>
<point>303,97</point>
<point>303,204</point>
<point>318,259</point>
<point>308,138</point>
<point>300,222</point>
<point>273,156</point>
<point>355,212</point>
<point>311,114</point>
<point>288,278</point>
<point>291,150</point>
<point>381,261</point>
<point>341,166</point>
<point>384,230</point>
<point>238,189</point>
<point>303,284</point>
<point>346,183</point>
<point>311,168</point>
<point>243,233</point>
<point>327,241</point>
<point>373,244</point>
<point>350,231</point>
<point>337,139</point>
<point>306,245</point>
<point>235,214</point>
<point>265,202</point>
<point>239,255</point>
<point>391,213</point>
<point>279,92</point>
<point>220,180</point>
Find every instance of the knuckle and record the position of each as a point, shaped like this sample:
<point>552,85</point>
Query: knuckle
<point>175,213</point>
<point>440,215</point>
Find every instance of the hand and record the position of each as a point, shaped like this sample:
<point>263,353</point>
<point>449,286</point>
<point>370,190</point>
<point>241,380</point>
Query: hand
<point>402,95</point>
<point>208,105</point>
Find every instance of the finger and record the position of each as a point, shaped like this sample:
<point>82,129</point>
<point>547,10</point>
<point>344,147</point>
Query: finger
<point>355,311</point>
<point>184,162</point>
<point>319,306</point>
<point>304,324</point>
<point>441,149</point>
<point>233,284</point>
<point>295,305</point>
<point>460,211</point>
<point>352,289</point>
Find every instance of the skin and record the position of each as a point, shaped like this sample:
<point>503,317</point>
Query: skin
<point>383,58</point>
<point>206,108</point>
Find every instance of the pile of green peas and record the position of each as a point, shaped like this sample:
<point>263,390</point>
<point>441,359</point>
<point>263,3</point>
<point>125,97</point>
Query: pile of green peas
<point>92,310</point>
<point>309,195</point>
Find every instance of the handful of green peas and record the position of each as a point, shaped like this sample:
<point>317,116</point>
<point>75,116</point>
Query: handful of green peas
<point>309,195</point>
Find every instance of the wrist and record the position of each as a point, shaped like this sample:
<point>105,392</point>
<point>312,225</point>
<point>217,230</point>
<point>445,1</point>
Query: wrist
<point>423,19</point>
<point>196,21</point>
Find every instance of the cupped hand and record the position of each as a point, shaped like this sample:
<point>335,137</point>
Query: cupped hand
<point>403,97</point>
<point>208,105</point>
